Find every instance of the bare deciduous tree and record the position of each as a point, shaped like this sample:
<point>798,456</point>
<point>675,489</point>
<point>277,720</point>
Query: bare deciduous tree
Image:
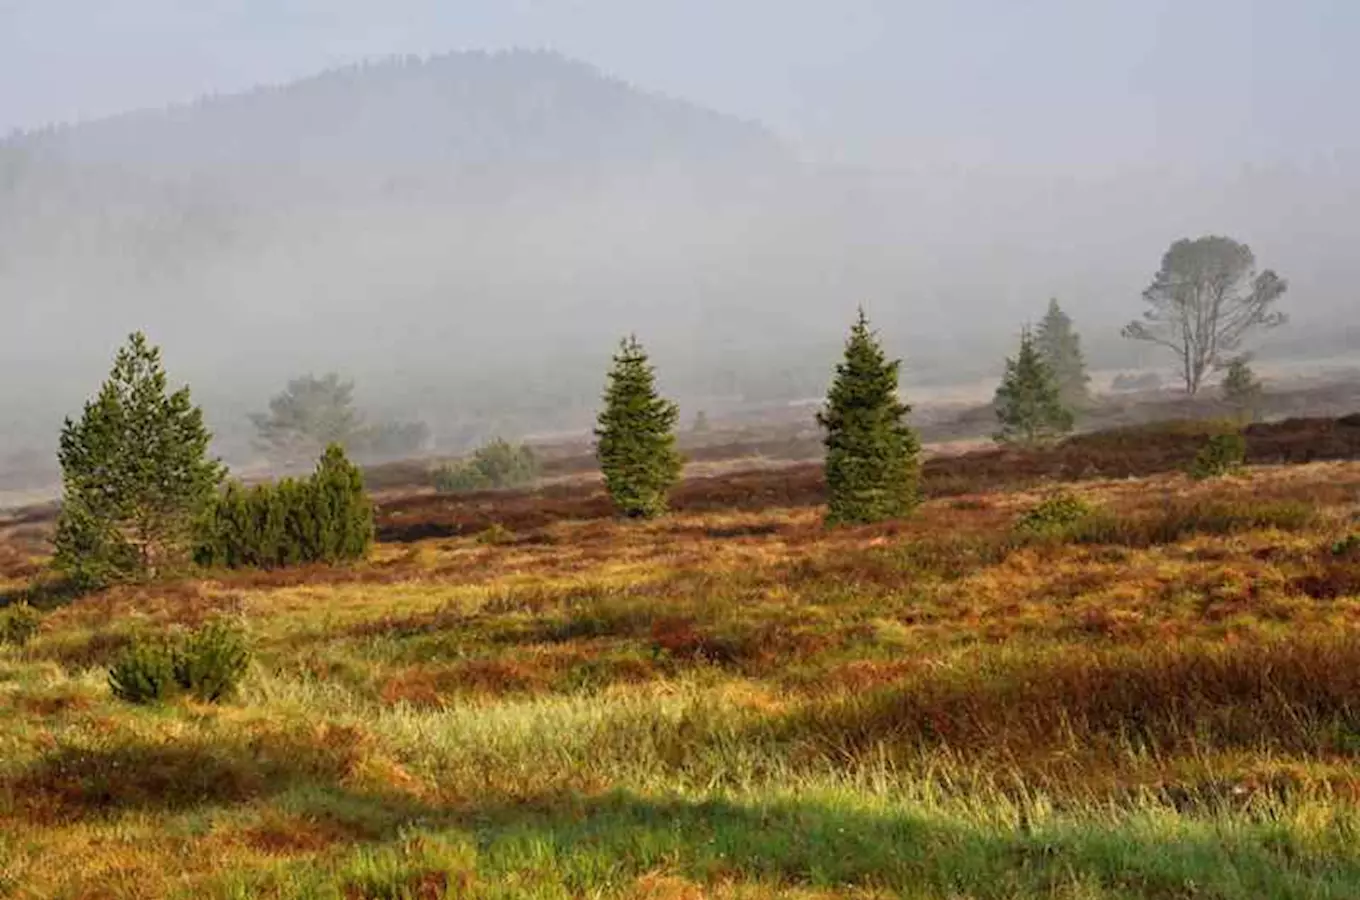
<point>1205,299</point>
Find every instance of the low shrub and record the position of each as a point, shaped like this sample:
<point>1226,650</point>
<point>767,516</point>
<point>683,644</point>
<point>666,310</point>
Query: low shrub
<point>145,673</point>
<point>327,517</point>
<point>18,624</point>
<point>1054,514</point>
<point>208,664</point>
<point>495,535</point>
<point>213,661</point>
<point>1222,454</point>
<point>1348,547</point>
<point>494,466</point>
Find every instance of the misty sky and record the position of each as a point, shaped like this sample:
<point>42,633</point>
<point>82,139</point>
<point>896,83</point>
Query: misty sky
<point>1043,83</point>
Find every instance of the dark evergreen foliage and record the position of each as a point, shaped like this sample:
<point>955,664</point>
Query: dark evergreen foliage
<point>325,518</point>
<point>1060,347</point>
<point>872,456</point>
<point>1028,403</point>
<point>1241,389</point>
<point>494,466</point>
<point>136,475</point>
<point>635,436</point>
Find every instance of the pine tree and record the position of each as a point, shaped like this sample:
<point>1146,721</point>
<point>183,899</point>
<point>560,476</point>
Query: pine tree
<point>1241,389</point>
<point>872,455</point>
<point>1028,403</point>
<point>1060,347</point>
<point>136,475</point>
<point>343,512</point>
<point>635,436</point>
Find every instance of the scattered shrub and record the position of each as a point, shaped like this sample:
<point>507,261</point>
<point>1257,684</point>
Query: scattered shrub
<point>208,664</point>
<point>1222,454</point>
<point>18,624</point>
<point>1180,520</point>
<point>1054,513</point>
<point>1347,547</point>
<point>495,535</point>
<point>495,466</point>
<point>213,661</point>
<point>325,518</point>
<point>145,673</point>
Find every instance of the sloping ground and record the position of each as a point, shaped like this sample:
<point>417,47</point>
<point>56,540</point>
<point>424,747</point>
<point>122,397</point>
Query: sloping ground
<point>1121,453</point>
<point>735,704</point>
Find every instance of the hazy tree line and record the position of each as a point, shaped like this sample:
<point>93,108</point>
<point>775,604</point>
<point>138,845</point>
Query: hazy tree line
<point>142,496</point>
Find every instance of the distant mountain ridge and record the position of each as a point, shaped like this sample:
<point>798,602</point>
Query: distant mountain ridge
<point>462,113</point>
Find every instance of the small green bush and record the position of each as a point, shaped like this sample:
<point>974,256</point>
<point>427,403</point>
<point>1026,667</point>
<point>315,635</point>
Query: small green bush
<point>495,466</point>
<point>1348,547</point>
<point>213,661</point>
<point>18,624</point>
<point>1222,454</point>
<point>145,673</point>
<point>1054,513</point>
<point>208,664</point>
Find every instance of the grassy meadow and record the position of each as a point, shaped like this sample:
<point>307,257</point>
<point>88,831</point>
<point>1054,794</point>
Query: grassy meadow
<point>1159,700</point>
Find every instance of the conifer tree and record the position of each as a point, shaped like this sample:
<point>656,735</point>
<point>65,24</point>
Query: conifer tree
<point>1060,347</point>
<point>343,513</point>
<point>1241,389</point>
<point>136,475</point>
<point>872,455</point>
<point>1028,403</point>
<point>635,436</point>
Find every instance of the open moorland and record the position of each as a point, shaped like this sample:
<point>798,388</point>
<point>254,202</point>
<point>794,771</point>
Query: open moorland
<point>519,696</point>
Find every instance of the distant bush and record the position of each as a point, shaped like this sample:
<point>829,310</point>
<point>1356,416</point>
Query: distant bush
<point>213,661</point>
<point>495,535</point>
<point>1055,513</point>
<point>1222,454</point>
<point>208,664</point>
<point>1348,547</point>
<point>18,624</point>
<point>495,466</point>
<point>145,673</point>
<point>324,518</point>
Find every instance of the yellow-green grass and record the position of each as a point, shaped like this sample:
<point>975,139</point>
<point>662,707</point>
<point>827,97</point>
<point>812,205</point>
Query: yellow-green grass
<point>1161,701</point>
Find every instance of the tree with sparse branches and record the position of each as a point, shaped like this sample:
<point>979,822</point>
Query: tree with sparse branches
<point>1241,389</point>
<point>1206,298</point>
<point>872,455</point>
<point>1060,346</point>
<point>136,475</point>
<point>635,436</point>
<point>1028,402</point>
<point>308,416</point>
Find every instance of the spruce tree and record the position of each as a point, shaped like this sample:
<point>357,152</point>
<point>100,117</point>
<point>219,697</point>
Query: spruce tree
<point>1241,389</point>
<point>1028,402</point>
<point>343,513</point>
<point>872,455</point>
<point>136,475</point>
<point>1060,347</point>
<point>635,436</point>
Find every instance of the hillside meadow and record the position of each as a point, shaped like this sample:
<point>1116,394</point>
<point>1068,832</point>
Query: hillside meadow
<point>1157,699</point>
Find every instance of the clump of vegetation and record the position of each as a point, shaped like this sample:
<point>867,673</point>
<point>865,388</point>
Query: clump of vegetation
<point>145,673</point>
<point>495,535</point>
<point>872,455</point>
<point>136,476</point>
<point>327,517</point>
<point>18,624</point>
<point>1054,514</point>
<point>1029,403</point>
<point>1348,547</point>
<point>635,436</point>
<point>208,665</point>
<point>1222,454</point>
<point>213,661</point>
<point>495,466</point>
<point>1241,390</point>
